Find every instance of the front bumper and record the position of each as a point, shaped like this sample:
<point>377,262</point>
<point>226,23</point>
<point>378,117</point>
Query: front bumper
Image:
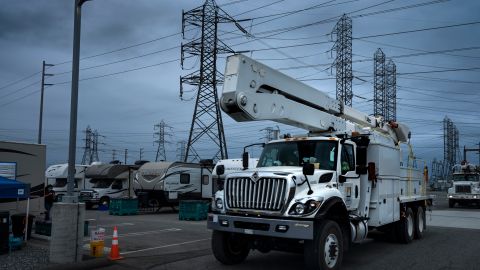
<point>464,196</point>
<point>282,228</point>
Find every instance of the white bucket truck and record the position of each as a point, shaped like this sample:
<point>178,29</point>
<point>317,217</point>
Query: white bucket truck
<point>57,177</point>
<point>109,181</point>
<point>316,193</point>
<point>226,166</point>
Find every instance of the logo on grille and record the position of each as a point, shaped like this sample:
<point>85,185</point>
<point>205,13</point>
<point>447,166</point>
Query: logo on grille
<point>255,177</point>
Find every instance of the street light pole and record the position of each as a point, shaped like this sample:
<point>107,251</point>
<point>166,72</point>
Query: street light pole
<point>41,99</point>
<point>72,145</point>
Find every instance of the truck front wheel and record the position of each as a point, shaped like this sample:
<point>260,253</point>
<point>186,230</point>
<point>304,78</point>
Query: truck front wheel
<point>325,251</point>
<point>229,248</point>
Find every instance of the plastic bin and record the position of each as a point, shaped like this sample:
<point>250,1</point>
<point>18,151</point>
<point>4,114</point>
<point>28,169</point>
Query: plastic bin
<point>18,225</point>
<point>4,231</point>
<point>193,210</point>
<point>123,207</point>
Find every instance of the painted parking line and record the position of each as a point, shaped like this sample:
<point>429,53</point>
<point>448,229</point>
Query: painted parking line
<point>164,246</point>
<point>112,225</point>
<point>140,233</point>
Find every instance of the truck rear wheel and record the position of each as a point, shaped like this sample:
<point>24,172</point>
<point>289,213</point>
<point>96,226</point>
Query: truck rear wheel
<point>420,224</point>
<point>229,248</point>
<point>406,227</point>
<point>325,251</point>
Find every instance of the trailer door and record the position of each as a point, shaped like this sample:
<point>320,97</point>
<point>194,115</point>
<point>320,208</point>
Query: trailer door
<point>207,185</point>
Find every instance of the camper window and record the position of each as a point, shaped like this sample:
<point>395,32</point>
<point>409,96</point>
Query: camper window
<point>62,182</point>
<point>117,184</point>
<point>184,178</point>
<point>205,179</point>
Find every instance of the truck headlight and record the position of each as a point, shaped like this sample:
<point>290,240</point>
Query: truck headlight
<point>219,203</point>
<point>306,208</point>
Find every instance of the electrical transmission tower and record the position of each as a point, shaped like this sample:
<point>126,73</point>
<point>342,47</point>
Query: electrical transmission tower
<point>88,149</point>
<point>379,83</point>
<point>160,140</point>
<point>181,150</point>
<point>450,143</point>
<point>343,60</point>
<point>95,137</point>
<point>390,91</point>
<point>271,133</point>
<point>207,119</point>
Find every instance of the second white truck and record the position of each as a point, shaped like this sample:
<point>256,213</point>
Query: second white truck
<point>57,177</point>
<point>466,185</point>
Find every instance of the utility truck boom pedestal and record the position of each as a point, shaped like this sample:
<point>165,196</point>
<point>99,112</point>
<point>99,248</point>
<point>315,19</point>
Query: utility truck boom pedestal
<point>317,193</point>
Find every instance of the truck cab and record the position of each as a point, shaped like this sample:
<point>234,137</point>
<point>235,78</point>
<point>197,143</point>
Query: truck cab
<point>466,185</point>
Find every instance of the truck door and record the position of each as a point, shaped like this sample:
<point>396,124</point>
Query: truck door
<point>351,187</point>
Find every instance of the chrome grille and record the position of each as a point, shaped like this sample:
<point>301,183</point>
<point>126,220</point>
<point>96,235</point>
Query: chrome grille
<point>463,189</point>
<point>264,194</point>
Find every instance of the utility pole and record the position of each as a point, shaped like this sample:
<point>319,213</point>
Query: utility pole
<point>40,122</point>
<point>126,153</point>
<point>207,119</point>
<point>181,150</point>
<point>141,153</point>
<point>113,155</point>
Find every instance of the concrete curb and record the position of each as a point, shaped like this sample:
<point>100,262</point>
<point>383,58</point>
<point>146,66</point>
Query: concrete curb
<point>86,264</point>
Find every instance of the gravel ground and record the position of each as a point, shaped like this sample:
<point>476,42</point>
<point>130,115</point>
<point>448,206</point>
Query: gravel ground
<point>29,257</point>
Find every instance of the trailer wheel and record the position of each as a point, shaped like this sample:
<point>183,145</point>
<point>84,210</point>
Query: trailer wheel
<point>420,223</point>
<point>451,203</point>
<point>229,248</point>
<point>325,251</point>
<point>406,227</point>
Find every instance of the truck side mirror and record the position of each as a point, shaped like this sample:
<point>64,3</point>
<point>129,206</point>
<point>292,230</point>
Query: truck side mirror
<point>308,169</point>
<point>245,159</point>
<point>342,179</point>
<point>220,169</point>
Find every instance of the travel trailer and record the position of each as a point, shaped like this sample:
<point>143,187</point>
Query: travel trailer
<point>24,162</point>
<point>160,184</point>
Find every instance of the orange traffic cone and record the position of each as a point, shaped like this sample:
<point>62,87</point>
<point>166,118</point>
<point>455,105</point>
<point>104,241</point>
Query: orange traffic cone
<point>115,251</point>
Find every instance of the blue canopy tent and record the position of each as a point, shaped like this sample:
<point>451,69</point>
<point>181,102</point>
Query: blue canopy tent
<point>13,189</point>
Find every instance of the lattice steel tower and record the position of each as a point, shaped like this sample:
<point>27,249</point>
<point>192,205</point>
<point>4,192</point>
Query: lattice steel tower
<point>450,142</point>
<point>87,158</point>
<point>379,81</point>
<point>181,150</point>
<point>160,134</point>
<point>390,91</point>
<point>207,119</point>
<point>343,60</point>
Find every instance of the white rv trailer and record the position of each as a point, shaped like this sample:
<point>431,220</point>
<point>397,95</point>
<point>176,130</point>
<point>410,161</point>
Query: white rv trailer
<point>57,177</point>
<point>24,162</point>
<point>109,181</point>
<point>166,183</point>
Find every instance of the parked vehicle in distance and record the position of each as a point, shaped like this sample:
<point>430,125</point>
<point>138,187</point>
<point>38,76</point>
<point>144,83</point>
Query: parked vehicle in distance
<point>466,185</point>
<point>109,181</point>
<point>164,183</point>
<point>57,176</point>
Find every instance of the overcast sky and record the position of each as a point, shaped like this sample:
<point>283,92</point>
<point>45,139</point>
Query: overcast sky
<point>124,107</point>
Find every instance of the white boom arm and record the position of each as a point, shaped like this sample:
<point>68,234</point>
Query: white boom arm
<point>253,91</point>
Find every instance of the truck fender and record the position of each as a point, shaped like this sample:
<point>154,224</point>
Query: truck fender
<point>335,209</point>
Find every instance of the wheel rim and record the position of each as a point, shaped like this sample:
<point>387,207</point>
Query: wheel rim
<point>234,246</point>
<point>420,220</point>
<point>410,225</point>
<point>331,250</point>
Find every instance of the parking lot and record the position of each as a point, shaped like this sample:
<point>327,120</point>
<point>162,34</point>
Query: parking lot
<point>162,241</point>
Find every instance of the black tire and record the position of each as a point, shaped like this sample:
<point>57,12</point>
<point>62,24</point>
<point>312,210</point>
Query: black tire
<point>451,203</point>
<point>420,222</point>
<point>406,227</point>
<point>229,248</point>
<point>104,201</point>
<point>88,205</point>
<point>316,256</point>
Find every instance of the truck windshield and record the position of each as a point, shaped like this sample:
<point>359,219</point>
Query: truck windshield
<point>323,154</point>
<point>103,183</point>
<point>465,177</point>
